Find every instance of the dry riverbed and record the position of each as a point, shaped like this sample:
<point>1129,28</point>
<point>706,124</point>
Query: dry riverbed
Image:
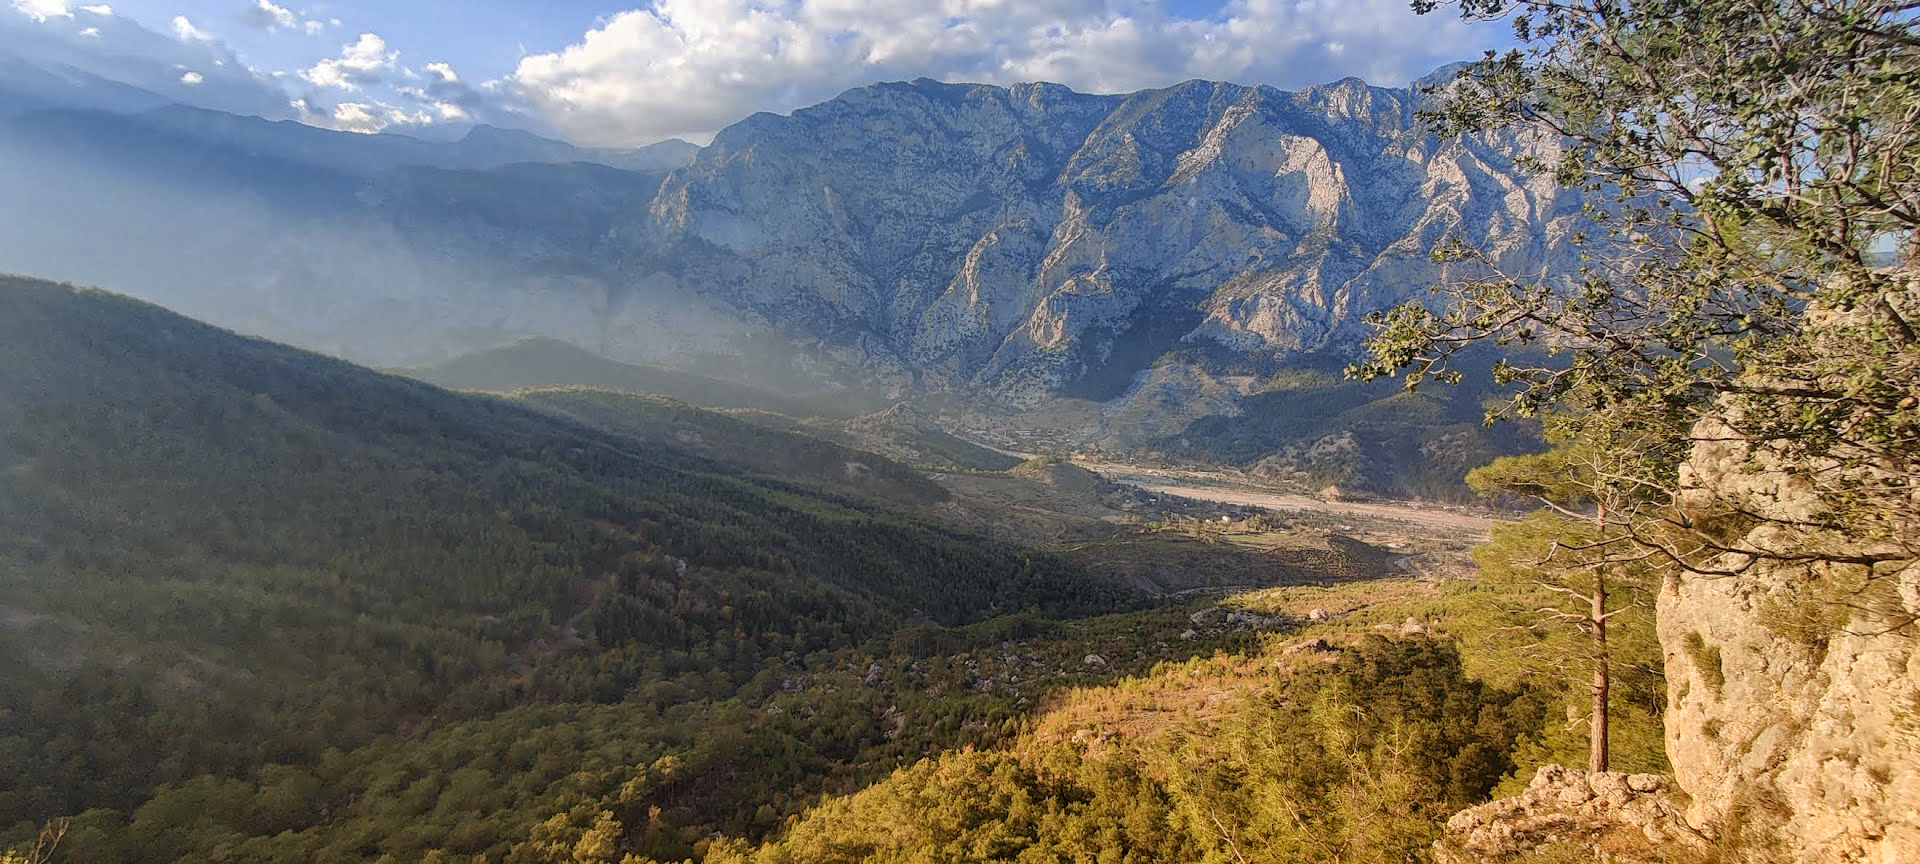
<point>1200,485</point>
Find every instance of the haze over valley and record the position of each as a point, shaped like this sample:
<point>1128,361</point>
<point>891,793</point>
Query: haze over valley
<point>1104,430</point>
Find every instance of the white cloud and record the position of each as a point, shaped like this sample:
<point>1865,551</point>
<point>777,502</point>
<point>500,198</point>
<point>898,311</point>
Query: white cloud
<point>356,117</point>
<point>364,62</point>
<point>267,16</point>
<point>366,117</point>
<point>41,10</point>
<point>272,17</point>
<point>96,42</point>
<point>688,67</point>
<point>443,73</point>
<point>186,32</point>
<point>192,79</point>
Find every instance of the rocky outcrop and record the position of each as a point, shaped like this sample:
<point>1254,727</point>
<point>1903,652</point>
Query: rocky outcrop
<point>1792,636</point>
<point>1629,819</point>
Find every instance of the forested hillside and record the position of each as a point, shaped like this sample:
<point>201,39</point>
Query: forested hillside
<point>546,363</point>
<point>262,605</point>
<point>223,554</point>
<point>755,446</point>
<point>1338,754</point>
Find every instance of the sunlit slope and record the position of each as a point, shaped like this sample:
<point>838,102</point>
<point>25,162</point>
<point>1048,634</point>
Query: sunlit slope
<point>218,552</point>
<point>1352,751</point>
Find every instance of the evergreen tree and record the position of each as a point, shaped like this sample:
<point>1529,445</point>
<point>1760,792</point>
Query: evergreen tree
<point>1575,562</point>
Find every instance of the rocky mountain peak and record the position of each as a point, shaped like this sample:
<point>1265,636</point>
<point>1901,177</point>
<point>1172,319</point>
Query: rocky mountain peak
<point>1005,245</point>
<point>1018,239</point>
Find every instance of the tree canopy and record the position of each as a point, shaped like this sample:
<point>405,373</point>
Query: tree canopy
<point>1753,173</point>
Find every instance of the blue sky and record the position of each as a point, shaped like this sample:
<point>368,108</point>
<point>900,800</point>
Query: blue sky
<point>627,73</point>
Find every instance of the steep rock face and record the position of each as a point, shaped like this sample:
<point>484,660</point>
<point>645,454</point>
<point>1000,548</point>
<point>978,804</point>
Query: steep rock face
<point>1794,689</point>
<point>1017,240</point>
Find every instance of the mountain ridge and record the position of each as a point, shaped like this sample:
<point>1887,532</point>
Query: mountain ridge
<point>995,248</point>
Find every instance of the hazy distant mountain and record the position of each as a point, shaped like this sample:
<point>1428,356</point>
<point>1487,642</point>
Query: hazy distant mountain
<point>1157,254</point>
<point>26,87</point>
<point>211,134</point>
<point>90,57</point>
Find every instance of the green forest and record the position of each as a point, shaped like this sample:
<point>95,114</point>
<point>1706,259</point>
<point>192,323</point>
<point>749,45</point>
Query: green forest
<point>266,606</point>
<point>232,562</point>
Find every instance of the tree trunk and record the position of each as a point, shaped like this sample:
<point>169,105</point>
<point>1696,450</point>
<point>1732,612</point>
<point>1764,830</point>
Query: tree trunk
<point>1597,726</point>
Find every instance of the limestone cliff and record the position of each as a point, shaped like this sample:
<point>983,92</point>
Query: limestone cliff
<point>1794,688</point>
<point>1025,240</point>
<point>1628,818</point>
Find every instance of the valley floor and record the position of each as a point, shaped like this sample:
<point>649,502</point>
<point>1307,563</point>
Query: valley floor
<point>1234,489</point>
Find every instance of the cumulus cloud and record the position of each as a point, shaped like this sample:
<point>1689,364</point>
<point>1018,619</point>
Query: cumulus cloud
<point>192,79</point>
<point>365,117</point>
<point>42,10</point>
<point>404,98</point>
<point>365,61</point>
<point>186,32</point>
<point>688,67</point>
<point>357,117</point>
<point>266,16</point>
<point>271,17</point>
<point>91,45</point>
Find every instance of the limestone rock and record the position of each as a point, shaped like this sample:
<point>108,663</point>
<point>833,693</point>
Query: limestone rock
<point>1810,740</point>
<point>1244,620</point>
<point>1310,646</point>
<point>1628,817</point>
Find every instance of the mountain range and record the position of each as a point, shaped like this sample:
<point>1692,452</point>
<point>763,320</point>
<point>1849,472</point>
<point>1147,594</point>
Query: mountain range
<point>1152,260</point>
